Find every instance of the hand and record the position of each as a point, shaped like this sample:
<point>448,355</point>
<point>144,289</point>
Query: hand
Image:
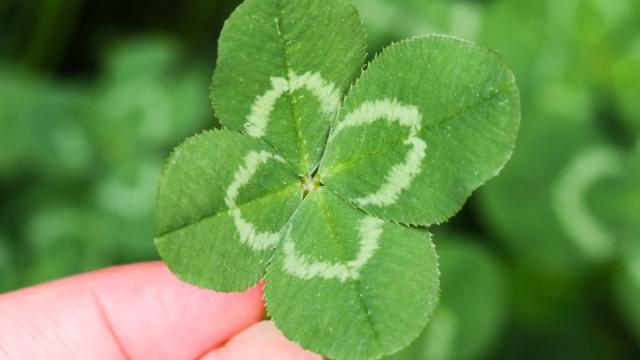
<point>138,311</point>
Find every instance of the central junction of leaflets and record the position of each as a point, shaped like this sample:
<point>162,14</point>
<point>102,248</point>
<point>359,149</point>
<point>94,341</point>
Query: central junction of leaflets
<point>399,176</point>
<point>325,176</point>
<point>309,183</point>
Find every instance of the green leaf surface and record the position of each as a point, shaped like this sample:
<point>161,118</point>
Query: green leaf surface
<point>470,315</point>
<point>221,202</point>
<point>349,285</point>
<point>419,131</point>
<point>282,70</point>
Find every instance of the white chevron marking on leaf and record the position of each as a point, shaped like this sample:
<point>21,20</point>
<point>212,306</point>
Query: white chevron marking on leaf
<point>326,92</point>
<point>401,175</point>
<point>247,231</point>
<point>386,109</point>
<point>568,200</point>
<point>302,267</point>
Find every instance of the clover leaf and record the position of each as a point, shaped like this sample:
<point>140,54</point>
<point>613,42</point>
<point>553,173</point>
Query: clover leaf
<point>317,181</point>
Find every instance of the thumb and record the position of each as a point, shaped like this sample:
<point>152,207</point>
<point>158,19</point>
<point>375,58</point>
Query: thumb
<point>134,311</point>
<point>261,341</point>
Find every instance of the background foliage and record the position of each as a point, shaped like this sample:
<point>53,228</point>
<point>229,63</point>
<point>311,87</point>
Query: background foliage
<point>542,263</point>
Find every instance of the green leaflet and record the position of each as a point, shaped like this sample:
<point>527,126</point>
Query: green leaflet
<point>429,121</point>
<point>221,202</point>
<point>282,70</point>
<point>341,283</point>
<point>449,126</point>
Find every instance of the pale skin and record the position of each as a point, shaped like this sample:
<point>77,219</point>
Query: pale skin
<point>138,311</point>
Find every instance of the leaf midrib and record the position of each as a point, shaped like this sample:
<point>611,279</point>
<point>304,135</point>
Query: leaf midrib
<point>288,70</point>
<point>226,210</point>
<point>503,90</point>
<point>357,288</point>
<point>352,160</point>
<point>345,165</point>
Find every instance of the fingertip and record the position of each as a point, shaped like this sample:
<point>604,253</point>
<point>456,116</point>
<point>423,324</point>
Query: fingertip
<point>184,321</point>
<point>142,310</point>
<point>261,341</point>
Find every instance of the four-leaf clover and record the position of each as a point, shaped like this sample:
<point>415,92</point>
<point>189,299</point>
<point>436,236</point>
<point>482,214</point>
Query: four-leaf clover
<point>322,184</point>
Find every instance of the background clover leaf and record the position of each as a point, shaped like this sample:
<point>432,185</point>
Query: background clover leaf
<point>575,158</point>
<point>470,315</point>
<point>627,286</point>
<point>449,111</point>
<point>614,201</point>
<point>623,219</point>
<point>282,70</point>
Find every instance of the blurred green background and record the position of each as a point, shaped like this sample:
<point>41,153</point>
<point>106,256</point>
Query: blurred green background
<point>542,263</point>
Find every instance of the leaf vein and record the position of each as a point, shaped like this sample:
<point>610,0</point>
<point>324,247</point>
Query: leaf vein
<point>227,210</point>
<point>352,161</point>
<point>470,107</point>
<point>357,288</point>
<point>294,104</point>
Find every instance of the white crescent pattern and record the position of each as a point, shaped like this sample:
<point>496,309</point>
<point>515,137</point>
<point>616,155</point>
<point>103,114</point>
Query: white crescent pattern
<point>401,175</point>
<point>326,92</point>
<point>397,179</point>
<point>302,267</point>
<point>248,234</point>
